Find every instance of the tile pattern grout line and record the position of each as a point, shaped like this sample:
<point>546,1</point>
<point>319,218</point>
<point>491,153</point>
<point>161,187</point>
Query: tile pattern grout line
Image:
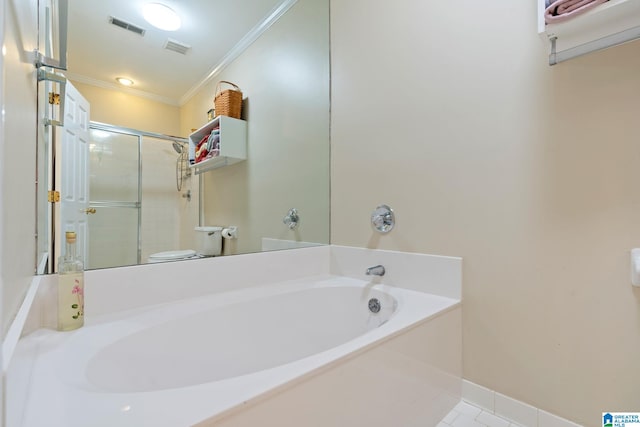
<point>468,415</point>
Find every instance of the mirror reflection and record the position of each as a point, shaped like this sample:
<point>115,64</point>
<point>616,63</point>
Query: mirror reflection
<point>145,201</point>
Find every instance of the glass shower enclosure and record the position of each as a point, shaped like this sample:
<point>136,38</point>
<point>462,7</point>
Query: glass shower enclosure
<point>123,228</point>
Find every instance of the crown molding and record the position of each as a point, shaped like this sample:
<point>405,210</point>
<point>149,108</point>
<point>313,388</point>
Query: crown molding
<point>240,47</point>
<point>113,86</point>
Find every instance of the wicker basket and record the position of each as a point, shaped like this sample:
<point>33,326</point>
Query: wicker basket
<point>228,102</point>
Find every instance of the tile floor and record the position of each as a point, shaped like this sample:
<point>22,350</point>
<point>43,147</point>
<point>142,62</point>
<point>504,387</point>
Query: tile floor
<point>467,415</point>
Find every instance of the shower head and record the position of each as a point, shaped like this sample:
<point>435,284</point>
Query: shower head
<point>178,147</point>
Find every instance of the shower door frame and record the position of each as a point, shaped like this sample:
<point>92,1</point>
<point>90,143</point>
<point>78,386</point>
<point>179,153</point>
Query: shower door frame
<point>137,205</point>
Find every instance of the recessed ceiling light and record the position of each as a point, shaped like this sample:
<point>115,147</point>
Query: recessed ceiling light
<point>161,16</point>
<point>124,81</point>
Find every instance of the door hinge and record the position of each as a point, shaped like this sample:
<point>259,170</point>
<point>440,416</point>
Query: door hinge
<point>54,196</point>
<point>54,98</point>
<point>44,75</point>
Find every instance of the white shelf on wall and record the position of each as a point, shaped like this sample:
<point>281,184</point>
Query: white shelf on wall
<point>233,143</point>
<point>609,24</point>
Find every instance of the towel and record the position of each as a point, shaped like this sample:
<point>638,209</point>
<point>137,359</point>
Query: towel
<point>202,153</point>
<point>562,10</point>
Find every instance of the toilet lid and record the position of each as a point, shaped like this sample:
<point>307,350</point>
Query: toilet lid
<point>187,253</point>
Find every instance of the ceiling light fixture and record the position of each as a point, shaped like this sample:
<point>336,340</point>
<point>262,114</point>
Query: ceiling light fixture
<point>124,81</point>
<point>161,16</point>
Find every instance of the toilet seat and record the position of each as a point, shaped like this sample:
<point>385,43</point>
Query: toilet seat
<point>172,255</point>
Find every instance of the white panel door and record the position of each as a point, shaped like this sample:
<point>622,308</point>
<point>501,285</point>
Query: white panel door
<point>73,149</point>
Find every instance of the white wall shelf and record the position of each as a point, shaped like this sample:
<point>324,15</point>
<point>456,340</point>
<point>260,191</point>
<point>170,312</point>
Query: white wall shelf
<point>233,144</point>
<point>609,24</point>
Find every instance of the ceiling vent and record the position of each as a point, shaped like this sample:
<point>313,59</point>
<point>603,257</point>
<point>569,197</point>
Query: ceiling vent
<point>126,25</point>
<point>177,46</point>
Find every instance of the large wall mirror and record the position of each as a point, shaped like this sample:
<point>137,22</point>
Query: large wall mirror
<point>142,196</point>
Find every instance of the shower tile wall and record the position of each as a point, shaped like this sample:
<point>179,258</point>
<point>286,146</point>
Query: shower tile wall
<point>161,200</point>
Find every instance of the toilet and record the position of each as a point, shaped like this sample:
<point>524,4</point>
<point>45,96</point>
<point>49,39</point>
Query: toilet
<point>208,243</point>
<point>172,256</point>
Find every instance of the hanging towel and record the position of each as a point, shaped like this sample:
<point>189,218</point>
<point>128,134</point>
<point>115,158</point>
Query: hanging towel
<point>562,10</point>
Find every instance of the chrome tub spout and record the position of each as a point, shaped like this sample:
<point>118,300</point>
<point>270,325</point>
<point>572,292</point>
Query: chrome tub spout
<point>376,270</point>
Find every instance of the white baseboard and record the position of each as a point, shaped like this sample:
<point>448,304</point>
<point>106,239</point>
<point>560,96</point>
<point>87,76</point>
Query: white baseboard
<point>511,409</point>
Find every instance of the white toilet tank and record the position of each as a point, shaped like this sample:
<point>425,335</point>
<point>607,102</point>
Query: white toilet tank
<point>208,241</point>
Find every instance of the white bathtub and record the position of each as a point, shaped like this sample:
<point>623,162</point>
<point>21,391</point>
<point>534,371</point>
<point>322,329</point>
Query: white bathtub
<point>200,360</point>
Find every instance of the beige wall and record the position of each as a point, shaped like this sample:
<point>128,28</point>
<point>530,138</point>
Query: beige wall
<point>284,77</point>
<point>448,112</point>
<point>17,164</point>
<point>122,109</point>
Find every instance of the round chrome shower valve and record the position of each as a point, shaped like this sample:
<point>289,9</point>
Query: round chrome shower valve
<point>382,219</point>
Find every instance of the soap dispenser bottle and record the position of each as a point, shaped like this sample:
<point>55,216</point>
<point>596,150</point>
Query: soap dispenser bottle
<point>70,286</point>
